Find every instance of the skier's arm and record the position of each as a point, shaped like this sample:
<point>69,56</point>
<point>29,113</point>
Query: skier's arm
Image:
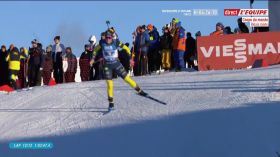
<point>124,47</point>
<point>95,53</point>
<point>127,50</point>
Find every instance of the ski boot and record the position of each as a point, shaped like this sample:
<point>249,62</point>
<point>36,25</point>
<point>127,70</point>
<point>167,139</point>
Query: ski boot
<point>140,91</point>
<point>111,106</point>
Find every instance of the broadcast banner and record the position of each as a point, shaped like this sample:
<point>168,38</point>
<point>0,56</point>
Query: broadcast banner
<point>238,51</point>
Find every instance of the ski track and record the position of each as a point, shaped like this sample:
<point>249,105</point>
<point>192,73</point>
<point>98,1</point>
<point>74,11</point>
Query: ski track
<point>76,107</point>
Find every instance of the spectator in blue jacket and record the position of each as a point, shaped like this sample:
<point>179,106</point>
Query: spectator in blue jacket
<point>58,53</point>
<point>153,55</point>
<point>141,52</point>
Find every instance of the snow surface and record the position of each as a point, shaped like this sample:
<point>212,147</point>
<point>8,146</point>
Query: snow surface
<point>208,114</point>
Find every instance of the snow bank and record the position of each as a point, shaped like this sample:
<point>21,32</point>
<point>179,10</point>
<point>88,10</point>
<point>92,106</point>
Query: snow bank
<point>208,114</point>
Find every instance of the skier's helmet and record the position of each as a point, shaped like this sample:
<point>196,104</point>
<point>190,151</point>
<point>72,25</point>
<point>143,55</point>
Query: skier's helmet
<point>109,34</point>
<point>92,39</point>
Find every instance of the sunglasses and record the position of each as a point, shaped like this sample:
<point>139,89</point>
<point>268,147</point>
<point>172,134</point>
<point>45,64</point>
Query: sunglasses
<point>108,37</point>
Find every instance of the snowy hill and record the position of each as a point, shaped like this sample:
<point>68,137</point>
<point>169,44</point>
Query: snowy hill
<point>208,114</point>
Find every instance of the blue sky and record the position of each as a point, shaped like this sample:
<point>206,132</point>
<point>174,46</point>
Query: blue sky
<point>75,21</point>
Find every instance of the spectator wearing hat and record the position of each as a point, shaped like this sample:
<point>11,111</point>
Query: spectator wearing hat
<point>166,48</point>
<point>219,30</point>
<point>242,26</point>
<point>154,57</point>
<point>13,59</point>
<point>23,67</point>
<point>58,53</point>
<point>142,42</point>
<point>92,42</point>
<point>190,50</point>
<point>179,47</point>
<point>227,30</point>
<point>35,64</point>
<point>84,63</point>
<point>172,27</point>
<point>71,69</point>
<point>47,65</point>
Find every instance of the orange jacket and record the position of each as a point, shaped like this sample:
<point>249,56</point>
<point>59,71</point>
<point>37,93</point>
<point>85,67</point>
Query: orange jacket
<point>216,33</point>
<point>179,39</point>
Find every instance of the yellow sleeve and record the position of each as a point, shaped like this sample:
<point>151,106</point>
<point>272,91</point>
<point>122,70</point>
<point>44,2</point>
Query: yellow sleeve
<point>127,50</point>
<point>96,50</point>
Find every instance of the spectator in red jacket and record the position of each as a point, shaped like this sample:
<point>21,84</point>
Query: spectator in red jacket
<point>47,65</point>
<point>84,63</point>
<point>71,65</point>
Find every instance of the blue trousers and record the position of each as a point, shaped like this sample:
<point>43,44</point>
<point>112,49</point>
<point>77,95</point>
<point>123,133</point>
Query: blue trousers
<point>179,59</point>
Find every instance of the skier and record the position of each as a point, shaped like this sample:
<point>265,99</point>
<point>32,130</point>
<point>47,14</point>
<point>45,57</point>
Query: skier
<point>109,48</point>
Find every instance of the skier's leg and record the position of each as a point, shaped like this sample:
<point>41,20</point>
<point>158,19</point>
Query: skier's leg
<point>129,81</point>
<point>110,92</point>
<point>110,88</point>
<point>107,73</point>
<point>134,85</point>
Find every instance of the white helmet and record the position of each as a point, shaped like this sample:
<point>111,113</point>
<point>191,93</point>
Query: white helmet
<point>92,39</point>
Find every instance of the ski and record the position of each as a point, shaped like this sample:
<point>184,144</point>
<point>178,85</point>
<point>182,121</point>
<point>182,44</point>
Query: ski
<point>111,108</point>
<point>154,99</point>
<point>108,111</point>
